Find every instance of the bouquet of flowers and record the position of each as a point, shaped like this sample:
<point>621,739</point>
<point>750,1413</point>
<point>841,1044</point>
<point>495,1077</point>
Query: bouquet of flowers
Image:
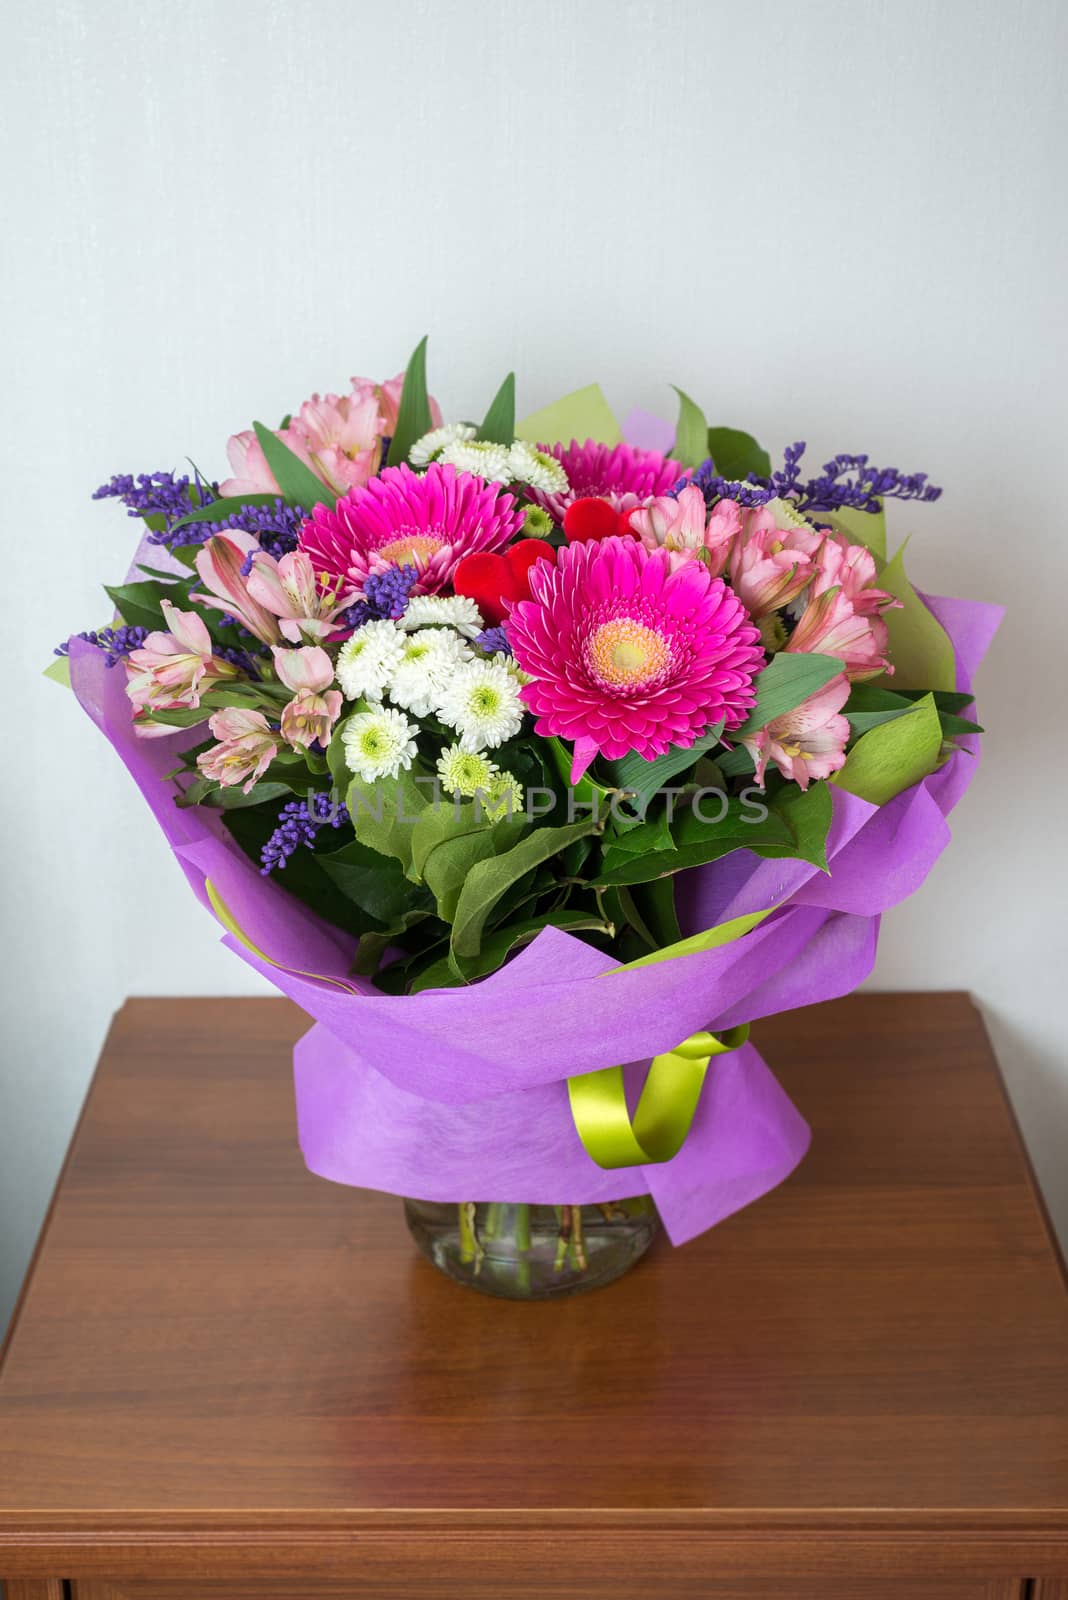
<point>449,721</point>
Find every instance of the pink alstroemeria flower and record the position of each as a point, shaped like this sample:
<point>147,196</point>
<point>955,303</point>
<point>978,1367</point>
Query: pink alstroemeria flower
<point>342,435</point>
<point>311,714</point>
<point>307,608</point>
<point>773,560</point>
<point>171,669</point>
<point>807,742</point>
<point>251,474</point>
<point>830,625</point>
<point>685,528</point>
<point>338,436</point>
<point>219,563</point>
<point>851,568</point>
<point>246,749</point>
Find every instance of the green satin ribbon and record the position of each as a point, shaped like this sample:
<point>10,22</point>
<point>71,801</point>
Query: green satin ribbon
<point>664,1113</point>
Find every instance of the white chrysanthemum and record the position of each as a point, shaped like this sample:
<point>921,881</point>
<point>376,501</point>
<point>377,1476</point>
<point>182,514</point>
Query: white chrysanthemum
<point>443,610</point>
<point>463,772</point>
<point>502,797</point>
<point>482,703</point>
<point>484,459</point>
<point>368,660</point>
<point>430,661</point>
<point>424,450</point>
<point>536,467</point>
<point>378,743</point>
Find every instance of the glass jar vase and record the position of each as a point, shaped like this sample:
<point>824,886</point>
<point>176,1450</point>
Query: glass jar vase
<point>528,1252</point>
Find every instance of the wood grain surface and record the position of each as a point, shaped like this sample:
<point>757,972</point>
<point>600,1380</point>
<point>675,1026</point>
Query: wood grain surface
<point>223,1365</point>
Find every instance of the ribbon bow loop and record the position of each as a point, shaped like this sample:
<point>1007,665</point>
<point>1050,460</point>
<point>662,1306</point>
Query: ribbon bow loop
<point>665,1111</point>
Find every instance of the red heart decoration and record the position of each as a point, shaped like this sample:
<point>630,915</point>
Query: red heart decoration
<point>490,580</point>
<point>590,518</point>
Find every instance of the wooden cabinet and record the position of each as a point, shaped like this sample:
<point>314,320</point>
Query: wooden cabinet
<point>227,1379</point>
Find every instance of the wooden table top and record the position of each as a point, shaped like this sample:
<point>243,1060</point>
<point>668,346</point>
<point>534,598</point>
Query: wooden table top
<point>215,1347</point>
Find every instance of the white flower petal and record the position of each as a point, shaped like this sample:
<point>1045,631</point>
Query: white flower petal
<point>430,446</point>
<point>378,744</point>
<point>437,610</point>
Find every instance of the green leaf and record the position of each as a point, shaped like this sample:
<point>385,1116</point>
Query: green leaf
<point>652,834</point>
<point>691,434</point>
<point>583,415</point>
<point>450,839</point>
<point>234,798</point>
<point>499,424</point>
<point>301,877</point>
<point>488,880</point>
<point>384,815</point>
<point>863,721</point>
<point>737,454</point>
<point>808,814</point>
<point>643,778</point>
<point>377,886</point>
<point>496,947</point>
<point>655,903</point>
<point>297,483</point>
<point>919,646</point>
<point>784,683</point>
<point>894,755</point>
<point>710,939</point>
<point>187,717</point>
<point>587,791</point>
<point>701,835</point>
<point>219,510</point>
<point>374,942</point>
<point>59,671</point>
<point>413,415</point>
<point>138,604</point>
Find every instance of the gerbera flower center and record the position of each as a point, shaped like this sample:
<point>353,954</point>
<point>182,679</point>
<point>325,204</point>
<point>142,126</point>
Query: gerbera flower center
<point>625,654</point>
<point>411,549</point>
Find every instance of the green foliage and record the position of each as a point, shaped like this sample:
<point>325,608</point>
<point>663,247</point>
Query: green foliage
<point>736,454</point>
<point>488,880</point>
<point>219,510</point>
<point>378,887</point>
<point>138,604</point>
<point>384,815</point>
<point>450,839</point>
<point>919,646</point>
<point>298,484</point>
<point>700,833</point>
<point>643,779</point>
<point>497,946</point>
<point>691,432</point>
<point>413,415</point>
<point>894,755</point>
<point>784,683</point>
<point>498,426</point>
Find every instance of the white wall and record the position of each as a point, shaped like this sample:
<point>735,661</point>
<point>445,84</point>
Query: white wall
<point>844,221</point>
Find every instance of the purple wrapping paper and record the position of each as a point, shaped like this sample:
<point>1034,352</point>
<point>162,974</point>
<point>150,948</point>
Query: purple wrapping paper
<point>460,1094</point>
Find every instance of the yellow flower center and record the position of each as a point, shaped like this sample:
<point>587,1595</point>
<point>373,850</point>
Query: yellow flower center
<point>411,549</point>
<point>625,654</point>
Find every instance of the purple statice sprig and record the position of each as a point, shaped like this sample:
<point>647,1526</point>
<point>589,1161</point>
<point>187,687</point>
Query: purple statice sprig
<point>298,823</point>
<point>157,494</point>
<point>493,641</point>
<point>847,482</point>
<point>385,597</point>
<point>117,642</point>
<point>276,526</point>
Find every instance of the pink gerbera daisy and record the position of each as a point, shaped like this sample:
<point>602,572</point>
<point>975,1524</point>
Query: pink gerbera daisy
<point>622,475</point>
<point>429,521</point>
<point>627,654</point>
